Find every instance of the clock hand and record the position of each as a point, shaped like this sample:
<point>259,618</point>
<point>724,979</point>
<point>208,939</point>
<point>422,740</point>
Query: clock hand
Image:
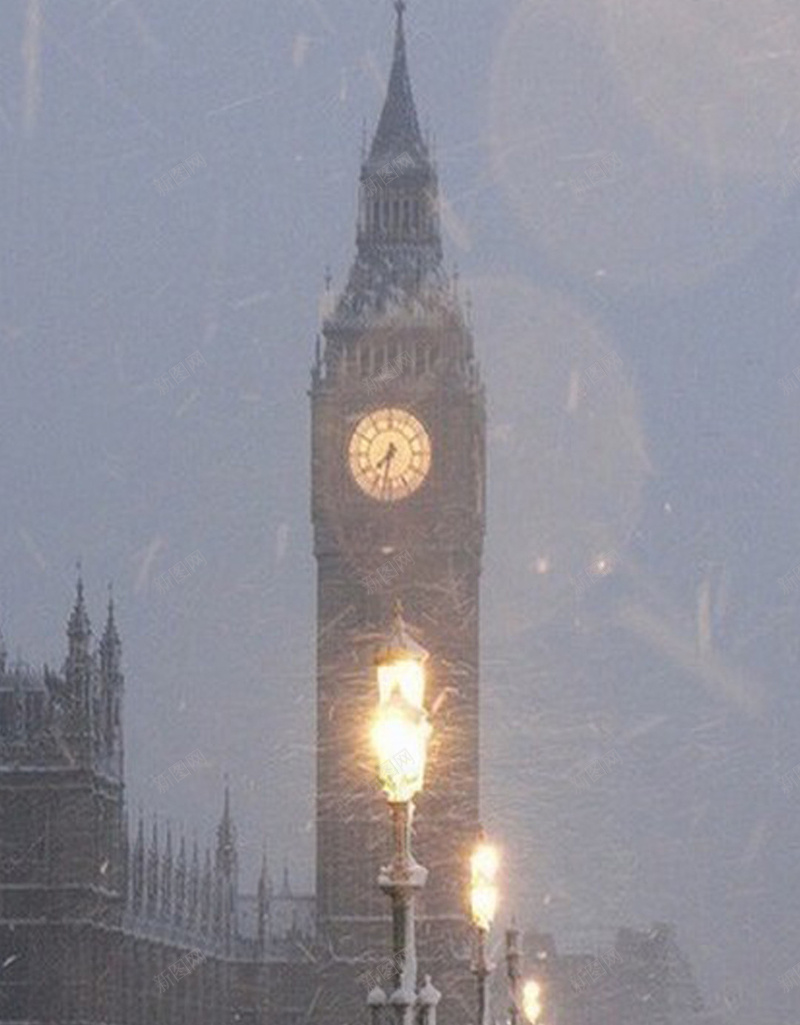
<point>387,459</point>
<point>388,456</point>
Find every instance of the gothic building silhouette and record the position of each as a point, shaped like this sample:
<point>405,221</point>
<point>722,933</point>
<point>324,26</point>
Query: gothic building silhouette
<point>97,925</point>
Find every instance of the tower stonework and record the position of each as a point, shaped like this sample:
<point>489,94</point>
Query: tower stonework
<point>398,469</point>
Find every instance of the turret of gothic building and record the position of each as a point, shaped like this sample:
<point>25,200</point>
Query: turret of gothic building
<point>110,694</point>
<point>180,886</point>
<point>79,682</point>
<point>166,909</point>
<point>151,876</point>
<point>193,894</point>
<point>263,903</point>
<point>51,727</point>
<point>226,864</point>
<point>207,898</point>
<point>137,902</point>
<point>73,719</point>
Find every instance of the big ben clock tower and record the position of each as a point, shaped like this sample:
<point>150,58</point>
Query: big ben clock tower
<point>398,457</point>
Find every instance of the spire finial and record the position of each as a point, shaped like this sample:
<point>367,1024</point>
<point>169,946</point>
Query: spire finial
<point>78,627</point>
<point>400,7</point>
<point>110,642</point>
<point>110,618</point>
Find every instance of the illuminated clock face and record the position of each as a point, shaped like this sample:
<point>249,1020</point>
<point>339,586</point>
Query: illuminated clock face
<point>389,454</point>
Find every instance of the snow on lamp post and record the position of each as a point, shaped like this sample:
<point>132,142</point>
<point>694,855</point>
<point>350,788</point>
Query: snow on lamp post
<point>400,735</point>
<point>483,905</point>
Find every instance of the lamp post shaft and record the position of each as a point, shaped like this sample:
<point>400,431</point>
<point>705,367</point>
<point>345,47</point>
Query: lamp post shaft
<point>482,972</point>
<point>513,972</point>
<point>403,923</point>
<point>401,880</point>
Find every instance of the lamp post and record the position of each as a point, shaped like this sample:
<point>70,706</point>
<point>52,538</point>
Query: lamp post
<point>483,905</point>
<point>400,734</point>
<point>513,972</point>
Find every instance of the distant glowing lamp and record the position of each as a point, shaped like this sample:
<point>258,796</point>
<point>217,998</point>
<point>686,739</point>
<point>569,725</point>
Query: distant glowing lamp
<point>531,1004</point>
<point>484,863</point>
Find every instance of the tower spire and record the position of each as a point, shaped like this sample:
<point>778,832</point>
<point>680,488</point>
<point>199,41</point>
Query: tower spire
<point>398,130</point>
<point>398,238</point>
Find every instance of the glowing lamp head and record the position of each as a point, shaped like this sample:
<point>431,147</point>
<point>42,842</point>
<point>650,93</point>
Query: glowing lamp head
<point>404,676</point>
<point>401,730</point>
<point>531,1004</point>
<point>400,738</point>
<point>483,891</point>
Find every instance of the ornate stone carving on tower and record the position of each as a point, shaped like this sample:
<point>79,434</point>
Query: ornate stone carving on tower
<point>398,457</point>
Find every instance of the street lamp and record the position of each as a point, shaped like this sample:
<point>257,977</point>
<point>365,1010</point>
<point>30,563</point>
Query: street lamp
<point>400,735</point>
<point>483,905</point>
<point>527,1005</point>
<point>531,1003</point>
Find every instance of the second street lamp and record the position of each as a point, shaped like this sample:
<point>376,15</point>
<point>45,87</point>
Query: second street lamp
<point>483,905</point>
<point>531,1001</point>
<point>400,734</point>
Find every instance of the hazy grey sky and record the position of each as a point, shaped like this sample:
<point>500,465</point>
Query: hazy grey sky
<point>620,184</point>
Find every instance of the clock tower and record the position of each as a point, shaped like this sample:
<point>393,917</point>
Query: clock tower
<point>398,469</point>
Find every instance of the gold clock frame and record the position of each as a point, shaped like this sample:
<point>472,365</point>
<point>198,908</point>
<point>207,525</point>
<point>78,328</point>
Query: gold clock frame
<point>389,453</point>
